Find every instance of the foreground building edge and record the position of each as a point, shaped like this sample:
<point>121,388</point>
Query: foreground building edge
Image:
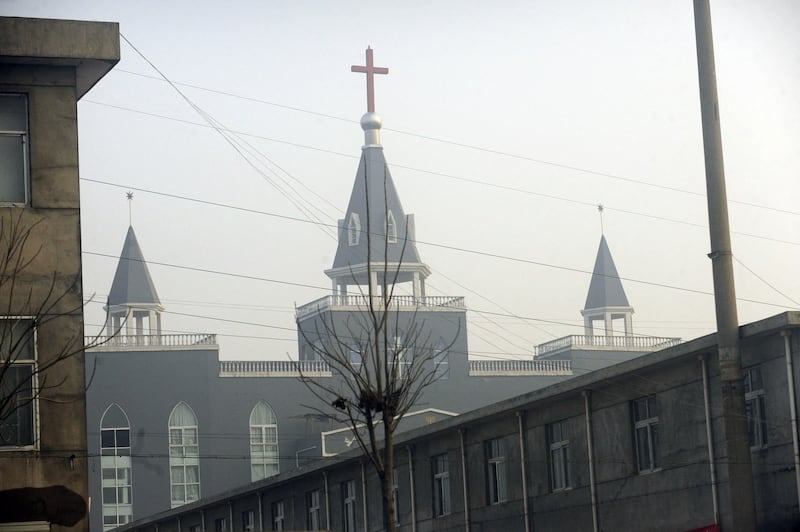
<point>530,457</point>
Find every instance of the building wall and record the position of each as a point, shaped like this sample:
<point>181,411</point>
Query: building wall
<point>49,287</point>
<point>675,495</point>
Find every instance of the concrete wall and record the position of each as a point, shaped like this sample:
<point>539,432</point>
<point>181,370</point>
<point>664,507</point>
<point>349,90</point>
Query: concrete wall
<point>50,286</point>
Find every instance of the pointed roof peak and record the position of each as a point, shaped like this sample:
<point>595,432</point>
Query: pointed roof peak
<point>132,285</point>
<point>605,289</point>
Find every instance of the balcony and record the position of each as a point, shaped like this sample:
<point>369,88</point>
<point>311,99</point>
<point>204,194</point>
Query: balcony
<point>151,342</point>
<point>519,368</point>
<point>397,303</point>
<point>605,343</point>
<point>273,368</point>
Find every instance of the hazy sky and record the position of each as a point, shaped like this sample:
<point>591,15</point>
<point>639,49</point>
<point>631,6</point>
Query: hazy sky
<point>505,124</point>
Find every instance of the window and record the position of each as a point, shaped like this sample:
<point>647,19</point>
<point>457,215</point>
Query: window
<point>391,228</point>
<point>263,442</point>
<point>356,356</point>
<point>221,524</point>
<point>558,443</point>
<point>349,506</point>
<point>248,521</point>
<point>354,229</point>
<point>184,456</point>
<point>18,361</point>
<point>755,408</point>
<point>496,471</point>
<point>441,360</point>
<point>312,510</point>
<point>13,149</point>
<point>441,485</point>
<point>277,515</point>
<point>645,421</point>
<point>115,467</point>
<point>403,356</point>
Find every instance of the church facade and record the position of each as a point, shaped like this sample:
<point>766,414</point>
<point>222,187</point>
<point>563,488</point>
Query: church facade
<point>170,422</point>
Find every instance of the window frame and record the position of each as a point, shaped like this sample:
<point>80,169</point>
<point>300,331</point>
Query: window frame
<point>33,402</point>
<point>278,510</point>
<point>648,426</point>
<point>440,476</point>
<point>755,408</point>
<point>183,460</point>
<point>391,228</point>
<point>349,519</point>
<point>116,458</point>
<point>353,229</point>
<point>25,142</point>
<point>265,445</point>
<point>558,456</point>
<point>313,512</point>
<point>496,476</point>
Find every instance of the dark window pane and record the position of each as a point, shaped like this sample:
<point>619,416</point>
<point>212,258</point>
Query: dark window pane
<point>107,438</point>
<point>123,438</point>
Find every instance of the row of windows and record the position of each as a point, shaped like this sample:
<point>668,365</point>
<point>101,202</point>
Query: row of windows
<point>184,457</point>
<point>354,229</point>
<point>14,149</point>
<point>644,426</point>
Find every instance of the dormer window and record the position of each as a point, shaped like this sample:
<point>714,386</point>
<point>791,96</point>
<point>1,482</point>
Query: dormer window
<point>391,228</point>
<point>354,229</point>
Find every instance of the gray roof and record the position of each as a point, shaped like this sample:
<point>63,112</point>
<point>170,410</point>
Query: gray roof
<point>605,290</point>
<point>132,283</point>
<point>373,179</point>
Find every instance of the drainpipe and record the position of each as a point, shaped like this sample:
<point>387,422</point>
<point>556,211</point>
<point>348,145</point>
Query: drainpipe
<point>411,483</point>
<point>230,515</point>
<point>787,345</point>
<point>590,449</point>
<point>464,479</point>
<point>524,473</point>
<point>260,511</point>
<point>364,494</point>
<point>327,502</point>
<point>709,439</point>
<point>203,519</point>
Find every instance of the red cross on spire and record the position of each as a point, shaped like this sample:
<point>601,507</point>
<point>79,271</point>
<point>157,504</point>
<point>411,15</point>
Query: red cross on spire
<point>370,70</point>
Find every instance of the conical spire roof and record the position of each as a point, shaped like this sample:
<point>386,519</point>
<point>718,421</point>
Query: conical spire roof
<point>132,284</point>
<point>605,289</point>
<point>374,192</point>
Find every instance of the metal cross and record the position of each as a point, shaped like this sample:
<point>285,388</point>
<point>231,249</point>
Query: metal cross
<point>370,70</point>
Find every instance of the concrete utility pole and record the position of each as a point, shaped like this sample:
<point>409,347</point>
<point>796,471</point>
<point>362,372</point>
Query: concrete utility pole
<point>740,473</point>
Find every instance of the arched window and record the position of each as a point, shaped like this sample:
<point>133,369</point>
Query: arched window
<point>354,229</point>
<point>263,442</point>
<point>184,456</point>
<point>391,228</point>
<point>115,466</point>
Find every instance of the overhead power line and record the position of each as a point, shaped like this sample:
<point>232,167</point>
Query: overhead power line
<point>465,145</point>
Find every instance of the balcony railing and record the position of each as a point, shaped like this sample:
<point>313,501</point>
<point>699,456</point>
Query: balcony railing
<point>521,368</point>
<point>426,303</point>
<point>150,341</point>
<point>621,343</point>
<point>273,368</point>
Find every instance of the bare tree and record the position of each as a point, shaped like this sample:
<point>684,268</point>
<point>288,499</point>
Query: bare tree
<point>381,360</point>
<point>29,304</point>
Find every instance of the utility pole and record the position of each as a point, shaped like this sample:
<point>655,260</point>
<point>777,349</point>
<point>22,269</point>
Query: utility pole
<point>740,474</point>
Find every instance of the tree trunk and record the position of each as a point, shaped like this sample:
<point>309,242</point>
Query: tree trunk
<point>389,521</point>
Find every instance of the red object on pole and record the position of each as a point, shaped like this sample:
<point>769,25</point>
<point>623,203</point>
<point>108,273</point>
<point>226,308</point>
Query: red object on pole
<point>370,70</point>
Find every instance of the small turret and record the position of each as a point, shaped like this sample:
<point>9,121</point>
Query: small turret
<point>606,301</point>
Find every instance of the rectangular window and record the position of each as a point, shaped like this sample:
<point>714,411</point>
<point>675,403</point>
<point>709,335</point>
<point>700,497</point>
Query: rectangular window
<point>755,408</point>
<point>441,485</point>
<point>17,361</point>
<point>221,524</point>
<point>312,510</point>
<point>13,149</point>
<point>558,443</point>
<point>645,427</point>
<point>495,471</point>
<point>248,521</point>
<point>277,515</point>
<point>349,506</point>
